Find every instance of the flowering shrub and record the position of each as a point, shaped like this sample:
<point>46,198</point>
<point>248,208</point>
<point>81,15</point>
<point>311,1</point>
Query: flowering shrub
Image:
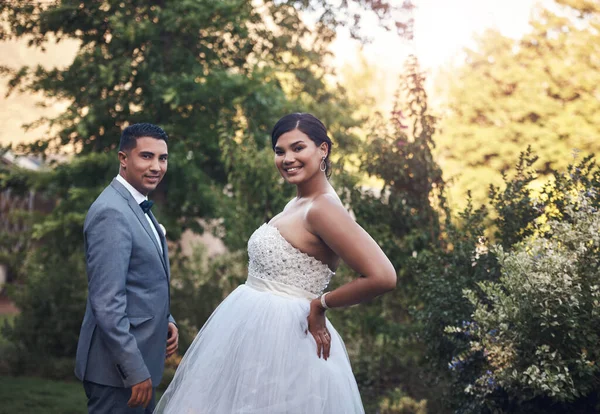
<point>461,262</point>
<point>509,299</point>
<point>536,330</point>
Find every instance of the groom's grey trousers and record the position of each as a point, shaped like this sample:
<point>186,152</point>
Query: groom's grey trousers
<point>103,399</point>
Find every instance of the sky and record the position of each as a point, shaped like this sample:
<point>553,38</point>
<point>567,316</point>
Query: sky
<point>443,28</point>
<point>19,109</point>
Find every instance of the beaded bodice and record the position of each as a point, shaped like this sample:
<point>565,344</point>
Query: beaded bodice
<point>273,258</point>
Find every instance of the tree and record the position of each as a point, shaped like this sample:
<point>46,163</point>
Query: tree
<point>392,15</point>
<point>202,70</point>
<point>402,213</point>
<point>541,90</point>
<point>191,67</point>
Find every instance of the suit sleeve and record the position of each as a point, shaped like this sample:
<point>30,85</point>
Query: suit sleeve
<point>108,251</point>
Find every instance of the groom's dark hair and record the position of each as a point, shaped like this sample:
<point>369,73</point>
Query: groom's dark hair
<point>130,135</point>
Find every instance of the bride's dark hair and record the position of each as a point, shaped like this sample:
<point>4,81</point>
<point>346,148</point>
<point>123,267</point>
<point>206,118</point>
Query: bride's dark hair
<point>307,124</point>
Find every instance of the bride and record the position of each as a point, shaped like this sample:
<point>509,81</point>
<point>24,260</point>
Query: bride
<point>268,347</point>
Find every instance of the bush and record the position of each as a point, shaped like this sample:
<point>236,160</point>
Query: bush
<point>460,262</point>
<point>52,303</point>
<point>399,403</point>
<point>484,349</point>
<point>52,284</point>
<point>199,284</point>
<point>18,362</point>
<point>538,327</point>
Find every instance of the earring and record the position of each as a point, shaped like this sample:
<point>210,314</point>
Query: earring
<point>323,165</point>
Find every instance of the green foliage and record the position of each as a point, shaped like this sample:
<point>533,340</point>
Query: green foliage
<point>52,301</point>
<point>403,216</point>
<point>381,347</point>
<point>537,327</point>
<point>515,206</point>
<point>402,404</point>
<point>51,288</point>
<point>525,339</point>
<point>15,218</point>
<point>540,90</point>
<point>255,191</point>
<point>392,15</point>
<point>197,68</point>
<point>5,320</point>
<point>199,284</point>
<point>444,273</point>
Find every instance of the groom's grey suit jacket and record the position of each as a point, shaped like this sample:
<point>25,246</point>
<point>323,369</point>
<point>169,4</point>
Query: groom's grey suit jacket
<point>124,332</point>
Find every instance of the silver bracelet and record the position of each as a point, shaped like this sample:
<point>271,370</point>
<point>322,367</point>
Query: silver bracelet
<point>323,303</point>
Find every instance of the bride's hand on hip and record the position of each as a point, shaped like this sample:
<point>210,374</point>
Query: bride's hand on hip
<point>318,329</point>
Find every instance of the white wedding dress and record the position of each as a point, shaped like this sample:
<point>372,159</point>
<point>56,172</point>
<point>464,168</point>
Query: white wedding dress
<point>254,354</point>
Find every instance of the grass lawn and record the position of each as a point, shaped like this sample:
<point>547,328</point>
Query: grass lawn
<point>28,395</point>
<point>24,395</point>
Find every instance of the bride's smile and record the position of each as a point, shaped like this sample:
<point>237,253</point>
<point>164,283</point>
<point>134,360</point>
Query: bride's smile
<point>297,157</point>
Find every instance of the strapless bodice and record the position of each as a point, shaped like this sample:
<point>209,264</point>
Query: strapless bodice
<point>275,259</point>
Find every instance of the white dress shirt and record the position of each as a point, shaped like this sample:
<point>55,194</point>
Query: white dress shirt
<point>139,197</point>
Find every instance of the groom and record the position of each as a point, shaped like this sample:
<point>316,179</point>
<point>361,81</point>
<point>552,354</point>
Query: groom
<point>127,330</point>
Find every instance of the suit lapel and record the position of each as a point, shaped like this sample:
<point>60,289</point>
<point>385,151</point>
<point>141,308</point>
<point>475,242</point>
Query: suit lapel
<point>163,241</point>
<point>139,213</point>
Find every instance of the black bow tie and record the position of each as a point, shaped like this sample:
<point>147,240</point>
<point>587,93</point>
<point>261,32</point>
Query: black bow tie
<point>146,205</point>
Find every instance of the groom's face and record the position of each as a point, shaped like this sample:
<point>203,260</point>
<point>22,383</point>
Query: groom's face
<point>145,165</point>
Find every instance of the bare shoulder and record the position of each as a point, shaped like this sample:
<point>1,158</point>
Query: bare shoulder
<point>328,219</point>
<point>324,203</point>
<point>327,211</point>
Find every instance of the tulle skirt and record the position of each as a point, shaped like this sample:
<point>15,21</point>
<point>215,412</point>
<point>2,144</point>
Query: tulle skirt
<point>254,355</point>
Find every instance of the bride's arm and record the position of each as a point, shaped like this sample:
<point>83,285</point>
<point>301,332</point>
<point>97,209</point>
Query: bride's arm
<point>329,220</point>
